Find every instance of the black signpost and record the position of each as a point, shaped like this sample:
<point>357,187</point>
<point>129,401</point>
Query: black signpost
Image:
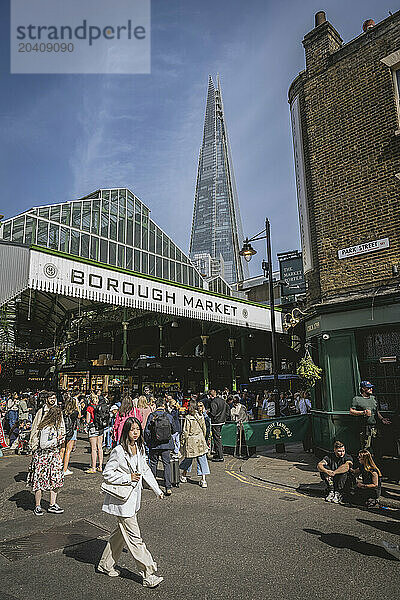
<point>291,271</point>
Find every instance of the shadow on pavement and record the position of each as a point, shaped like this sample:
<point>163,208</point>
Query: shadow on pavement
<point>21,476</point>
<point>79,465</point>
<point>90,553</point>
<point>342,540</point>
<point>387,526</point>
<point>23,499</point>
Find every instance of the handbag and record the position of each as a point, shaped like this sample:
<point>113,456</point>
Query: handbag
<point>120,491</point>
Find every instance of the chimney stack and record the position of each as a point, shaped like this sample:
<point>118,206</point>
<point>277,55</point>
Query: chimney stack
<point>320,17</point>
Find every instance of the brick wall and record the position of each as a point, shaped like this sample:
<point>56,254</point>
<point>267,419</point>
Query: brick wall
<point>349,119</point>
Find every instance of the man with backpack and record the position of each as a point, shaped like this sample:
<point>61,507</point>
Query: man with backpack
<point>158,437</point>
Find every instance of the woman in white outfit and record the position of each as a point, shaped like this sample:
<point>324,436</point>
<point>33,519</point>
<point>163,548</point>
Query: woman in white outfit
<point>127,466</point>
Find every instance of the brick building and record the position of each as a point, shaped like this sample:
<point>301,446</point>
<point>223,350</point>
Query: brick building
<point>346,127</point>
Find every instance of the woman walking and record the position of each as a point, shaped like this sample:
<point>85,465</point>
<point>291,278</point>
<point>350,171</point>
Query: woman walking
<point>46,470</point>
<point>71,415</point>
<point>95,432</point>
<point>194,444</point>
<point>127,466</point>
<point>144,409</point>
<point>126,410</point>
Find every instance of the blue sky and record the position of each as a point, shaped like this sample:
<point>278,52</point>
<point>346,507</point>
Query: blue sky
<point>63,136</point>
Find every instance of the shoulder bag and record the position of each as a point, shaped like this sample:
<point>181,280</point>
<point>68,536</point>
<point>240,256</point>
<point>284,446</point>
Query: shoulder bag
<point>120,491</point>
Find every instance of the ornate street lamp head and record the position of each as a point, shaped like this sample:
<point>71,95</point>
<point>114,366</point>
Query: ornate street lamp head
<point>247,251</point>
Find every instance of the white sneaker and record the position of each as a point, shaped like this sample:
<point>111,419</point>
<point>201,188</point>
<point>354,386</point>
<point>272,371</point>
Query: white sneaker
<point>152,581</point>
<point>393,549</point>
<point>330,497</point>
<point>111,573</point>
<point>68,472</point>
<point>183,479</point>
<point>203,483</point>
<point>337,498</point>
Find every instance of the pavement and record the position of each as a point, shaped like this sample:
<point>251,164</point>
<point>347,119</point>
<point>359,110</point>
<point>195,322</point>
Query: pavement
<point>296,469</point>
<point>252,534</point>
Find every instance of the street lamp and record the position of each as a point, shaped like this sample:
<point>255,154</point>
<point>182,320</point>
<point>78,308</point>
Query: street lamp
<point>248,252</point>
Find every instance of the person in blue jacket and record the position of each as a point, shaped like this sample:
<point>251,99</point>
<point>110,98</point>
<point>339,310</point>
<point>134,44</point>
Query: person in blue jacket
<point>158,437</point>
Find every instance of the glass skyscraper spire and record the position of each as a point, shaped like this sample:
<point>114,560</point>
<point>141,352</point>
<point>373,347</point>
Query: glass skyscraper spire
<point>217,232</point>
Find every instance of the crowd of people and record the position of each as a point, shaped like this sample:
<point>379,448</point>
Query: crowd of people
<point>139,431</point>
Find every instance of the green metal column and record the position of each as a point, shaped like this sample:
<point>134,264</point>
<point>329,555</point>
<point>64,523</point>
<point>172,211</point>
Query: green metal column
<point>245,360</point>
<point>125,324</point>
<point>233,369</point>
<point>204,339</point>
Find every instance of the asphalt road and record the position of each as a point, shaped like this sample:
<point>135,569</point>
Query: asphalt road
<point>239,538</point>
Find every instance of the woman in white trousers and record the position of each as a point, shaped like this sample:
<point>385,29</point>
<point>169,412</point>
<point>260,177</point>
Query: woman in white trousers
<point>127,466</point>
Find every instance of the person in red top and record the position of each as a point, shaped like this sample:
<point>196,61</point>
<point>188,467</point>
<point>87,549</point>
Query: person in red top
<point>95,435</point>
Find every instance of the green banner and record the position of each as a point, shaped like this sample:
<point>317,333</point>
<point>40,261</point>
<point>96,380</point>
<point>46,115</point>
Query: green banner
<point>268,431</point>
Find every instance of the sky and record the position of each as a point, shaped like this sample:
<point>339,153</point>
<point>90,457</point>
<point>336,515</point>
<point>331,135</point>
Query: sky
<point>64,136</point>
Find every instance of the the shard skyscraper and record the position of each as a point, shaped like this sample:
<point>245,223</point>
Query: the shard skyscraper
<point>217,233</point>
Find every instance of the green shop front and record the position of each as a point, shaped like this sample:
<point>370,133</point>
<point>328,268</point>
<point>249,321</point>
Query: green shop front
<point>351,343</point>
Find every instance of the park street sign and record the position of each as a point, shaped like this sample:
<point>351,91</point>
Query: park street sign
<point>364,248</point>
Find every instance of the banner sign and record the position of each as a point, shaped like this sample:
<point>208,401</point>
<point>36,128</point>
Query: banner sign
<point>57,274</point>
<point>291,271</point>
<point>268,432</point>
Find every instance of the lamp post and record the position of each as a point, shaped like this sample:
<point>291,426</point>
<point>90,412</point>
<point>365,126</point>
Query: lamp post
<point>248,252</point>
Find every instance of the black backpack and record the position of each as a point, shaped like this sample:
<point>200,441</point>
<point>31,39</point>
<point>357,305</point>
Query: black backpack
<point>101,415</point>
<point>69,426</point>
<point>161,428</point>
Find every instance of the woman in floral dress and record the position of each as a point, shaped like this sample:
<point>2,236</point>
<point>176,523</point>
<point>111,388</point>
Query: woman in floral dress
<point>46,471</point>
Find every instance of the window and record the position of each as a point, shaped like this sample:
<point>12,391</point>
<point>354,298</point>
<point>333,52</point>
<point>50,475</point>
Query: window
<point>152,264</point>
<point>129,258</point>
<point>103,251</point>
<point>7,231</point>
<point>30,230</point>
<point>64,240</point>
<point>158,266</point>
<point>145,262</point>
<point>152,237</point>
<point>44,212</point>
<point>86,216</point>
<point>158,241</point>
<point>138,222</point>
<point>95,216</point>
<point>94,248</point>
<point>112,253</point>
<point>18,230</point>
<point>121,256</point>
<point>113,220</point>
<point>42,235</point>
<point>165,268</point>
<point>76,215</point>
<point>85,245</point>
<point>129,232</point>
<point>137,261</point>
<point>104,217</point>
<point>75,242</point>
<point>66,214</point>
<point>55,212</point>
<point>53,236</point>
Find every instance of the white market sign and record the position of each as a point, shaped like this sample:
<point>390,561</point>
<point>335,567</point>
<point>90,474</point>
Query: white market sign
<point>60,275</point>
<point>364,248</point>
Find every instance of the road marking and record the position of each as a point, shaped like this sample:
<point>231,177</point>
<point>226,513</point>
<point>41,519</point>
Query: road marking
<point>244,479</point>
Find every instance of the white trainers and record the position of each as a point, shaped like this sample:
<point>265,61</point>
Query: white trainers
<point>393,549</point>
<point>68,472</point>
<point>152,581</point>
<point>330,496</point>
<point>111,573</point>
<point>183,479</point>
<point>203,483</point>
<point>337,498</point>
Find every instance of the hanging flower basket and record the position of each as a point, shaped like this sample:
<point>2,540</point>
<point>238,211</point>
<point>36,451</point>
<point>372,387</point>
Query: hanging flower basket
<point>308,370</point>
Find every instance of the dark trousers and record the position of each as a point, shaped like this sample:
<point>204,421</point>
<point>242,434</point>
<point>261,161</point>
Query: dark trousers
<point>339,483</point>
<point>216,433</point>
<point>164,455</point>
